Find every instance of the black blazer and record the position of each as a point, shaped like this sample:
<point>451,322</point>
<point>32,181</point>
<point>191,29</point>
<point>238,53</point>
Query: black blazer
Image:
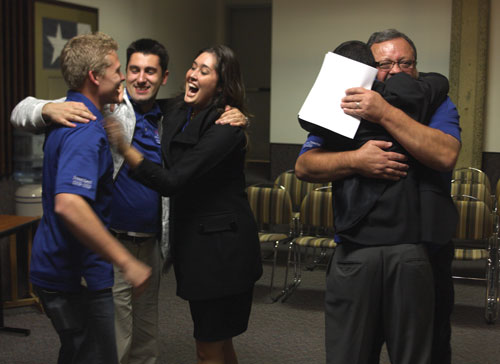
<point>215,245</point>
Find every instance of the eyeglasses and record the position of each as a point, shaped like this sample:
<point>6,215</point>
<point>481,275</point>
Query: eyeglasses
<point>387,65</point>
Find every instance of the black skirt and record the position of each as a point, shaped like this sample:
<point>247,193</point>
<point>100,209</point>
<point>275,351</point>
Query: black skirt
<point>221,318</point>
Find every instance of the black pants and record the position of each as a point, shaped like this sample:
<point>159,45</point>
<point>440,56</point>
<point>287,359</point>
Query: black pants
<point>376,294</point>
<point>441,259</point>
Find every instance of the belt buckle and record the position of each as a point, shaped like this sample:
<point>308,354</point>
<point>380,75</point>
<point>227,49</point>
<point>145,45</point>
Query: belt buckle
<point>138,240</point>
<point>130,237</point>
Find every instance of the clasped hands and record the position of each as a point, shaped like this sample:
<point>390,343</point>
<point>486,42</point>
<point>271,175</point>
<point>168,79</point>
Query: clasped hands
<point>374,160</point>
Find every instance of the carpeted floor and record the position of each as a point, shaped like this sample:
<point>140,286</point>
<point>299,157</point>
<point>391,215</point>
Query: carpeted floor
<point>290,332</point>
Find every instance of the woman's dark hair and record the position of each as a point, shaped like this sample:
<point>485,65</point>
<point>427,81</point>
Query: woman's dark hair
<point>230,88</point>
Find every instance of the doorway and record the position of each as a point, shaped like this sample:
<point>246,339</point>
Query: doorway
<point>248,33</point>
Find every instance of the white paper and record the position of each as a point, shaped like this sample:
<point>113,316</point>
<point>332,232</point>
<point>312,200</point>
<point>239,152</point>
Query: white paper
<point>322,105</point>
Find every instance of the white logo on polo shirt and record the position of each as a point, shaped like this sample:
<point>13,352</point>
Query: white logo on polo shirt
<point>82,182</point>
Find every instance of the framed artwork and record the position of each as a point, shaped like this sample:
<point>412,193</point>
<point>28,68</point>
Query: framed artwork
<point>55,23</point>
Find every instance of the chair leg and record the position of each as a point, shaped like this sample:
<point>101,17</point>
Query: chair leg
<point>492,277</point>
<point>318,259</point>
<point>285,289</point>
<point>297,264</point>
<point>297,272</point>
<point>275,259</point>
<point>312,265</point>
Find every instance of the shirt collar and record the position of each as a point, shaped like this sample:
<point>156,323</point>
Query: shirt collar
<point>154,112</point>
<point>78,96</point>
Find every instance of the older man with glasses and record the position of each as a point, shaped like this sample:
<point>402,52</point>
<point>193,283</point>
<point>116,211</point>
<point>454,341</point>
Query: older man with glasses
<point>378,284</point>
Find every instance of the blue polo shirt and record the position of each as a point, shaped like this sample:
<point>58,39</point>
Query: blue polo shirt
<point>77,161</point>
<point>136,207</point>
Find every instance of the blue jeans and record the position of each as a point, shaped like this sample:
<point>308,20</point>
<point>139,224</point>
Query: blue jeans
<point>84,321</point>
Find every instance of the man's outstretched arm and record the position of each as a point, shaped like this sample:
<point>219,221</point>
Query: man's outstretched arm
<point>34,114</point>
<point>84,224</point>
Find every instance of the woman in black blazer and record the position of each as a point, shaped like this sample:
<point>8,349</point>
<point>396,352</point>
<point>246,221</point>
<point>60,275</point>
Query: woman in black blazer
<point>215,247</point>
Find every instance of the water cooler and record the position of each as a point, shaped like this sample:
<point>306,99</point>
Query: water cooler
<point>28,163</point>
<point>28,200</point>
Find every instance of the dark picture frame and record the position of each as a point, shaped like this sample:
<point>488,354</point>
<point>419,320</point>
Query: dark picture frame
<point>55,23</point>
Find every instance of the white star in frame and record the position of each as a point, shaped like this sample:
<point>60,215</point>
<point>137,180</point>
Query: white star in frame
<point>57,43</point>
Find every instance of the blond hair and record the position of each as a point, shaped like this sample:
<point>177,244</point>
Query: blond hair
<point>84,53</point>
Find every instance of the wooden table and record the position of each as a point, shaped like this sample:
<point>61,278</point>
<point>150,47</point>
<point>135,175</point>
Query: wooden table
<point>12,226</point>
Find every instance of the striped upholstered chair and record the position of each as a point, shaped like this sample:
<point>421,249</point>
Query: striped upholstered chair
<point>272,208</point>
<point>475,239</point>
<point>497,200</point>
<point>471,175</point>
<point>296,188</point>
<point>470,190</point>
<point>477,191</point>
<point>316,231</point>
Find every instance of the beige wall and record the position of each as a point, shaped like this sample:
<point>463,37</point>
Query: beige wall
<point>184,27</point>
<point>303,31</point>
<point>221,13</point>
<point>492,122</point>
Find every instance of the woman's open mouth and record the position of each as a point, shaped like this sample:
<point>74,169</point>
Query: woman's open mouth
<point>191,90</point>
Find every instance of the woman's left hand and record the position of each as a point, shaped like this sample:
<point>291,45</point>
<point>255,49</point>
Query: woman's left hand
<point>115,133</point>
<point>233,117</point>
<point>116,138</point>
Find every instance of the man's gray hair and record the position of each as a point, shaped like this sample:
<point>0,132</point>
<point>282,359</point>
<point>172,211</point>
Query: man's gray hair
<point>390,34</point>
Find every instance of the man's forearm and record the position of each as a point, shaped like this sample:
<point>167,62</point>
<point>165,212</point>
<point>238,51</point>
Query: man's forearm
<point>320,165</point>
<point>84,224</point>
<point>28,114</point>
<point>32,114</point>
<point>429,146</point>
<point>371,161</point>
